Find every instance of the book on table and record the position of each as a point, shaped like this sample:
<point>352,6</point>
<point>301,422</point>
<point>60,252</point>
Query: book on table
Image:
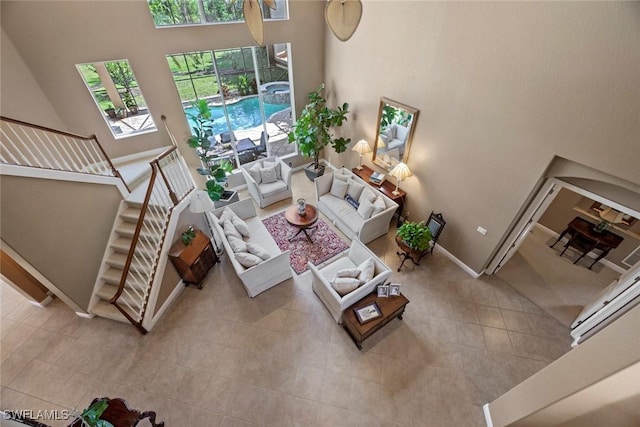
<point>377,178</point>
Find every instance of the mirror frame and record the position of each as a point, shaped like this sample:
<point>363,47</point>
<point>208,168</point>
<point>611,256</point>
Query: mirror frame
<point>412,111</point>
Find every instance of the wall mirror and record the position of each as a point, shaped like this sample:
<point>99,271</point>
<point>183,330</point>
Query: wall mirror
<point>396,124</point>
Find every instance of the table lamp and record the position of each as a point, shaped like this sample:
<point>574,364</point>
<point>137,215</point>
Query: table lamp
<point>362,147</point>
<point>202,203</point>
<point>401,171</point>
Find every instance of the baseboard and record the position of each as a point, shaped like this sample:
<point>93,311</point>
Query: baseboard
<point>459,263</point>
<point>487,415</point>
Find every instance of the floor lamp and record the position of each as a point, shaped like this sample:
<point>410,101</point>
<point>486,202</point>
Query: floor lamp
<point>202,203</point>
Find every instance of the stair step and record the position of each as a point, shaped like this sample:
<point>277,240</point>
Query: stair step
<point>119,260</point>
<point>128,229</point>
<point>106,292</point>
<point>112,278</point>
<point>123,244</point>
<point>132,215</point>
<point>105,309</point>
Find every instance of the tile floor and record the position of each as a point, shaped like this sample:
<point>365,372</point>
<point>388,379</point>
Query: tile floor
<point>219,358</point>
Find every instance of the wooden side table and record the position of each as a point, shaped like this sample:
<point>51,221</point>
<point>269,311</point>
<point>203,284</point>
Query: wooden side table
<point>302,222</point>
<point>386,188</point>
<point>408,253</point>
<point>391,307</point>
<point>193,261</point>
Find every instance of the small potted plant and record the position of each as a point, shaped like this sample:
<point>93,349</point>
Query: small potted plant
<point>312,131</point>
<point>188,236</point>
<point>111,112</point>
<point>416,235</point>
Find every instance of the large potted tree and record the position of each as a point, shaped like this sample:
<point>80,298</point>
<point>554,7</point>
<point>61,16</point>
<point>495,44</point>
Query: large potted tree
<point>214,169</point>
<point>312,131</point>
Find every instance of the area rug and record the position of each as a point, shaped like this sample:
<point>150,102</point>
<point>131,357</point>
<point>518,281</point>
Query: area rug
<point>326,243</point>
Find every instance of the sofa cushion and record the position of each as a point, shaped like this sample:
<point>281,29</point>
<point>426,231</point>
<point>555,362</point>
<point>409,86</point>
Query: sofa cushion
<point>354,189</point>
<point>230,230</point>
<point>368,195</point>
<point>254,171</point>
<point>237,245</point>
<point>268,175</point>
<point>348,272</point>
<point>340,176</point>
<point>378,206</point>
<point>227,213</point>
<point>345,285</point>
<point>247,260</point>
<point>365,209</point>
<point>240,225</point>
<point>367,270</point>
<point>339,188</point>
<point>353,202</point>
<point>257,250</point>
<point>402,132</point>
<point>275,163</point>
<point>272,188</point>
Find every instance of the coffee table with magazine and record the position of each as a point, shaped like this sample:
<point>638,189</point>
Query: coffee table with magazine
<point>302,222</point>
<point>355,318</point>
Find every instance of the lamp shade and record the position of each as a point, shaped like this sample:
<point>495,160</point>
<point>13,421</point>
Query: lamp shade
<point>401,171</point>
<point>362,147</point>
<point>201,202</point>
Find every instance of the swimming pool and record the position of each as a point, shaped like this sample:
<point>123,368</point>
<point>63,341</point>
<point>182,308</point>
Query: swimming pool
<point>244,114</point>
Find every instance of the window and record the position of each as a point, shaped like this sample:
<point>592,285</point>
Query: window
<point>192,12</point>
<point>248,93</point>
<point>116,92</point>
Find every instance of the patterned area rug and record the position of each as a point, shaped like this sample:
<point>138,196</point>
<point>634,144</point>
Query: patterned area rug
<point>326,243</point>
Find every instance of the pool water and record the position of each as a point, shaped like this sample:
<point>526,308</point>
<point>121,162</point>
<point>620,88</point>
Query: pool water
<point>244,114</point>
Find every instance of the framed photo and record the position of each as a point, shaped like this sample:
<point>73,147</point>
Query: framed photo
<point>367,312</point>
<point>383,291</point>
<point>394,289</point>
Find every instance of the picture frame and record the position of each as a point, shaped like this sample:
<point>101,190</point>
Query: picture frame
<point>394,289</point>
<point>367,312</point>
<point>383,291</point>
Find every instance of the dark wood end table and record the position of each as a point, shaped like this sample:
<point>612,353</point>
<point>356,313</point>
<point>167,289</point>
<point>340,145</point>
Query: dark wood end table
<point>391,307</point>
<point>407,253</point>
<point>302,222</point>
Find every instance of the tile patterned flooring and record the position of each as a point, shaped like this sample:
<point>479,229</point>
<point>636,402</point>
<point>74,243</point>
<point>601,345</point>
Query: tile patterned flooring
<point>220,358</point>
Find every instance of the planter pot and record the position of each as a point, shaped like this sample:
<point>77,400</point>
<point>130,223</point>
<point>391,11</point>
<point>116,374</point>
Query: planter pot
<point>227,197</point>
<point>312,173</point>
<point>111,112</point>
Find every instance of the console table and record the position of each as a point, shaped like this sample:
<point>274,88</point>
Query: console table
<point>386,188</point>
<point>391,307</point>
<point>602,240</point>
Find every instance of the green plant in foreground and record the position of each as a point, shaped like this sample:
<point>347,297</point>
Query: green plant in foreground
<point>312,131</point>
<point>91,416</point>
<point>416,235</point>
<point>215,171</point>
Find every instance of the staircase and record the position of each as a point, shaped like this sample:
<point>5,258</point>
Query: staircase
<point>140,232</point>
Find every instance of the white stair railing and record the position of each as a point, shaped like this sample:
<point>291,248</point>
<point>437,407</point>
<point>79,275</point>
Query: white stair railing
<point>26,144</point>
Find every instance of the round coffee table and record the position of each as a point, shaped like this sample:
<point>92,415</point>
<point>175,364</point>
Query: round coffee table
<point>302,222</point>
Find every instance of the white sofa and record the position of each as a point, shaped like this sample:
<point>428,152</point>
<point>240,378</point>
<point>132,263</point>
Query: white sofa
<point>321,278</point>
<point>266,274</point>
<point>346,217</point>
<point>261,186</point>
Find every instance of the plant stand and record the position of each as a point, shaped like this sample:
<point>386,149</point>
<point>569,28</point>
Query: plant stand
<point>408,253</point>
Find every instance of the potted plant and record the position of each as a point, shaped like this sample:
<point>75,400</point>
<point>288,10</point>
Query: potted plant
<point>130,102</point>
<point>312,131</point>
<point>416,235</point>
<point>91,415</point>
<point>214,168</point>
<point>111,112</point>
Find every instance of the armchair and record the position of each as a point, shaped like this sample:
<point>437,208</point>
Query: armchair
<point>268,180</point>
<point>357,254</point>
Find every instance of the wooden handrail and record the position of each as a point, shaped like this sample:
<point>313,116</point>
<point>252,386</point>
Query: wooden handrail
<point>73,135</point>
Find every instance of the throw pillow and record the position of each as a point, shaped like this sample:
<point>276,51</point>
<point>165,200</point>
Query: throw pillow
<point>353,202</point>
<point>254,171</point>
<point>268,175</point>
<point>344,285</point>
<point>226,214</point>
<point>237,245</point>
<point>340,176</point>
<point>378,206</point>
<point>338,188</point>
<point>257,250</point>
<point>247,260</point>
<point>365,209</point>
<point>240,225</point>
<point>275,164</point>
<point>368,195</point>
<point>354,189</point>
<point>367,270</point>
<point>348,272</point>
<point>402,132</point>
<point>230,230</point>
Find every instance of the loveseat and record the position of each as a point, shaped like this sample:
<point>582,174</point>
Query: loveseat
<point>252,251</point>
<point>395,136</point>
<point>268,180</point>
<point>322,277</point>
<point>353,215</point>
